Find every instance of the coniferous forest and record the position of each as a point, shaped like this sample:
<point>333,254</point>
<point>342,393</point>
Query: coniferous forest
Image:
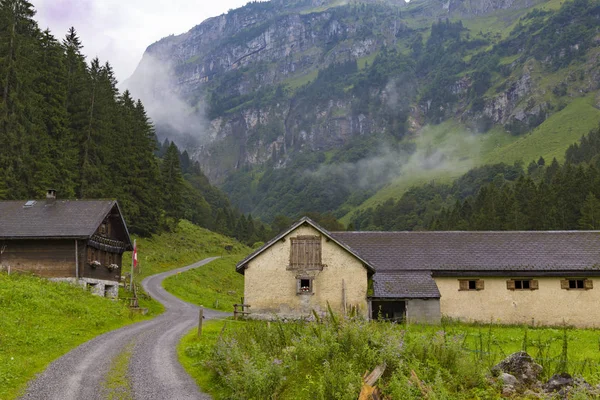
<point>65,125</point>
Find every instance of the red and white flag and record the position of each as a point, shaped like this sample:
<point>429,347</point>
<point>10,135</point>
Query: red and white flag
<point>135,261</point>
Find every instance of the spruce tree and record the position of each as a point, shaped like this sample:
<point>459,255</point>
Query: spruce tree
<point>172,184</point>
<point>590,213</point>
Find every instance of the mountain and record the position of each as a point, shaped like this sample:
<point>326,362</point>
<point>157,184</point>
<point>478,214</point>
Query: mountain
<point>316,105</point>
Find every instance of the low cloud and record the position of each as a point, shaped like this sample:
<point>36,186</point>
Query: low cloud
<point>175,119</point>
<point>389,165</point>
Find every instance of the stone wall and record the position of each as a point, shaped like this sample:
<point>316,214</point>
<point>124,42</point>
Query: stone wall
<point>97,287</point>
<point>425,311</point>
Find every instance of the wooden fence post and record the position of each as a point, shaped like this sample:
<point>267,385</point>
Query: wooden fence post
<point>200,317</point>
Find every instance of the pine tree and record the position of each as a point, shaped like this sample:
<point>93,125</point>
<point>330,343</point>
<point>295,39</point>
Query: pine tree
<point>57,168</point>
<point>590,213</point>
<point>19,68</point>
<point>172,183</point>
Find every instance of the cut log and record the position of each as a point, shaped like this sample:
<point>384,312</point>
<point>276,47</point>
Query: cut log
<point>368,390</point>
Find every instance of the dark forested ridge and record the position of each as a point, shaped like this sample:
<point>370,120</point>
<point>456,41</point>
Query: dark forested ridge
<point>65,125</point>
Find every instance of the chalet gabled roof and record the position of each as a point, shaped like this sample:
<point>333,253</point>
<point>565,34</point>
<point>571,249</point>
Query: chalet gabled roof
<point>61,219</point>
<point>305,220</point>
<point>477,251</point>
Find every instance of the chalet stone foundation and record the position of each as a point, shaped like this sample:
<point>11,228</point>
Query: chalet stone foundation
<point>97,287</point>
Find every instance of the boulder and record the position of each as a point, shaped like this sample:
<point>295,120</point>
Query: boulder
<point>508,379</point>
<point>558,382</point>
<point>521,366</point>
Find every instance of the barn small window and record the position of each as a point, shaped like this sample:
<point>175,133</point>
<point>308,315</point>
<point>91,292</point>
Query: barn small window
<point>522,284</point>
<point>305,253</point>
<point>577,284</point>
<point>470,284</point>
<point>305,285</point>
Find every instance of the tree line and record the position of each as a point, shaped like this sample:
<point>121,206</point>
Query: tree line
<point>64,124</point>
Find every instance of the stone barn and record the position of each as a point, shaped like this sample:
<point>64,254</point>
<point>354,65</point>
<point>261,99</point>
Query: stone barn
<point>529,277</point>
<point>81,241</point>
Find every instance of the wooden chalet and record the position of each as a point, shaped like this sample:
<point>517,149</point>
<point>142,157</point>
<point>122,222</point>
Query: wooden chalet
<point>74,240</point>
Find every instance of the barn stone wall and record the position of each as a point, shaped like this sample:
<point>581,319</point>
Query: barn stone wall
<point>548,305</point>
<point>271,289</point>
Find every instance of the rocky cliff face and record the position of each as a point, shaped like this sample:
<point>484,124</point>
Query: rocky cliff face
<point>250,85</point>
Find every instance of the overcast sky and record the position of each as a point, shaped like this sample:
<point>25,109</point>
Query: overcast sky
<point>120,30</point>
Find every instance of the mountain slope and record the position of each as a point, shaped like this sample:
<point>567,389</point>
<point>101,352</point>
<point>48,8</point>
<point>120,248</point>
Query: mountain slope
<point>318,105</point>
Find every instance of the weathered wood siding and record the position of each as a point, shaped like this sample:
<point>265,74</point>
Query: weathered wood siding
<point>101,272</point>
<point>56,259</point>
<point>47,258</point>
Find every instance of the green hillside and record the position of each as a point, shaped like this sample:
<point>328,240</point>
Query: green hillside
<point>185,245</point>
<point>42,320</point>
<point>468,150</point>
<point>216,285</point>
<point>489,83</point>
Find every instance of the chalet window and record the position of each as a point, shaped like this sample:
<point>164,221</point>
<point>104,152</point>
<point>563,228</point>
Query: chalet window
<point>103,229</point>
<point>470,284</point>
<point>305,253</point>
<point>304,285</point>
<point>522,284</point>
<point>576,284</point>
<point>91,255</point>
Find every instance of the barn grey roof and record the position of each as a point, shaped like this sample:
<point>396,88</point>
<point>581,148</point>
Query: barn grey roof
<point>305,220</point>
<point>404,284</point>
<point>76,219</point>
<point>477,251</point>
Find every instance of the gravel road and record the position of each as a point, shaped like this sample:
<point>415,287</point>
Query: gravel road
<point>154,371</point>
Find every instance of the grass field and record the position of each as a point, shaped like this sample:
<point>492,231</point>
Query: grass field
<point>464,149</point>
<point>215,285</point>
<point>237,360</point>
<point>192,351</point>
<point>42,320</point>
<point>186,245</point>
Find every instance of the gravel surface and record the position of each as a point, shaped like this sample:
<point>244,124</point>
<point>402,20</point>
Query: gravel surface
<point>154,370</point>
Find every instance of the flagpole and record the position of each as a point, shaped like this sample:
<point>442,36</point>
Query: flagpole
<point>132,263</point>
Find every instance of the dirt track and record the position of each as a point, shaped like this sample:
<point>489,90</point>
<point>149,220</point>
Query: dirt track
<point>154,370</point>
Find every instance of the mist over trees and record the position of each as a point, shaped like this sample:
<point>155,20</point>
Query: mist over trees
<point>548,196</point>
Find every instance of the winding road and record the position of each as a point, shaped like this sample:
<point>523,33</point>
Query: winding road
<point>154,371</point>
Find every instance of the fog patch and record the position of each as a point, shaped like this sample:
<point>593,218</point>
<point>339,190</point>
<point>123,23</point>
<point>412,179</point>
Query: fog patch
<point>174,118</point>
<point>389,165</point>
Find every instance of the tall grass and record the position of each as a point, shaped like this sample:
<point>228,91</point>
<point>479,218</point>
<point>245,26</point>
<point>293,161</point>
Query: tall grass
<point>326,359</point>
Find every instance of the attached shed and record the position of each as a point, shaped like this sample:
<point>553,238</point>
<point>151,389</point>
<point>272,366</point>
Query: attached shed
<point>513,277</point>
<point>82,241</point>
